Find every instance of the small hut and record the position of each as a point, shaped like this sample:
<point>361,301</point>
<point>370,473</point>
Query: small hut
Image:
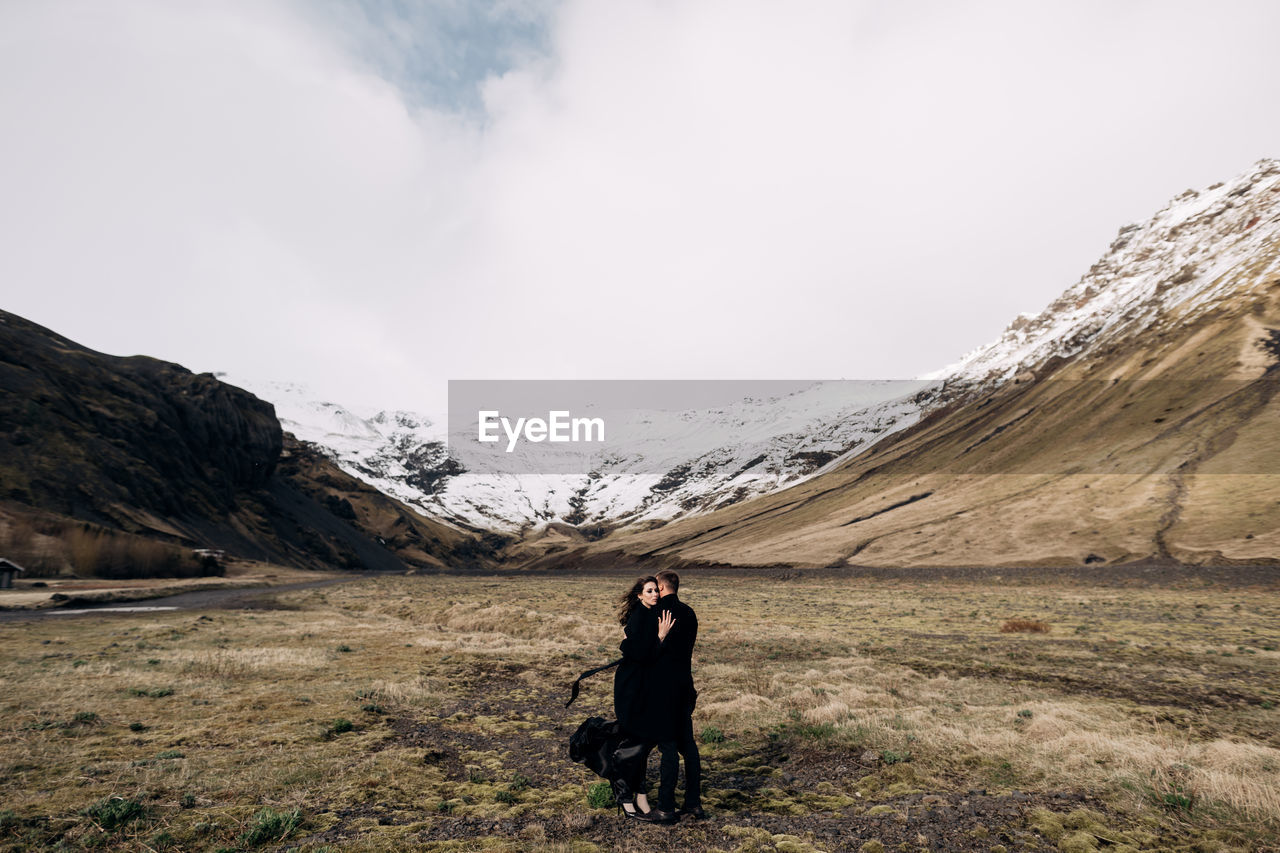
<point>8,569</point>
<point>211,560</point>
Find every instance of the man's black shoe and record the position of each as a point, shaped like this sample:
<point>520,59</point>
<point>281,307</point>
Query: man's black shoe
<point>696,813</point>
<point>659,816</point>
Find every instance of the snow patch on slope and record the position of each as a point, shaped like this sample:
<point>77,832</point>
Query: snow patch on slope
<point>1200,249</point>
<point>661,464</point>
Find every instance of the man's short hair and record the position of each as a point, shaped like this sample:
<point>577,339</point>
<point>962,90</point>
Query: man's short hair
<point>669,579</point>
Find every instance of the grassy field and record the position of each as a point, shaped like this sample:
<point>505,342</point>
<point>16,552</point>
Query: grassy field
<point>835,713</point>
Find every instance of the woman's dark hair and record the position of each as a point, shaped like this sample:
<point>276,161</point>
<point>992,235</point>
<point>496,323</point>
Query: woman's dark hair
<point>631,598</point>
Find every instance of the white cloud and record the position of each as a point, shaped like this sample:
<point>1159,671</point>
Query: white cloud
<point>712,189</point>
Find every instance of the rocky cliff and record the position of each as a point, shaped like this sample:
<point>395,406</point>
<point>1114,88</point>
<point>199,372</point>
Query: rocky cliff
<point>146,446</point>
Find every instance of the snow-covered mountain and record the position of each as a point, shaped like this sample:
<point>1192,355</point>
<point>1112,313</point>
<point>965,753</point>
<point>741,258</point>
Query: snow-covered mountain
<point>1132,422</point>
<point>1198,251</point>
<point>660,465</point>
<point>1201,249</point>
<point>402,454</point>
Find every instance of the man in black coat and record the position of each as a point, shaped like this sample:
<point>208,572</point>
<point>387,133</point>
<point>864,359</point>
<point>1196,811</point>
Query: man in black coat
<point>673,677</point>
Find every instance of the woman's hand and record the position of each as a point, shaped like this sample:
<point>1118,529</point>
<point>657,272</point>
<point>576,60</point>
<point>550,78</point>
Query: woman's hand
<point>665,621</point>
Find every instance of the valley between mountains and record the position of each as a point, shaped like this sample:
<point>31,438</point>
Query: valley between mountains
<point>1133,420</point>
<point>1027,603</point>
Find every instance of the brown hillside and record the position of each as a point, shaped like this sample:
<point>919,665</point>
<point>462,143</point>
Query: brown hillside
<point>1163,447</point>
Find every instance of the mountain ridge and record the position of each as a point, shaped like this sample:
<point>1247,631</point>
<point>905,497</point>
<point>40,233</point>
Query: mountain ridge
<point>1141,435</point>
<point>1148,271</point>
<point>143,446</point>
<point>1202,251</point>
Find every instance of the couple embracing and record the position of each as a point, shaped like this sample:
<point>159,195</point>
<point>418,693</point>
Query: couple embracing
<point>653,694</point>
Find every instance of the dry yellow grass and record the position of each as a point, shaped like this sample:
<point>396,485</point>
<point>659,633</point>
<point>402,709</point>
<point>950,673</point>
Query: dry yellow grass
<point>1161,702</point>
<point>1024,626</point>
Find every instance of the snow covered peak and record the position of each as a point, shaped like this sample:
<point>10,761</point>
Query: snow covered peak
<point>331,424</point>
<point>402,420</point>
<point>1201,249</point>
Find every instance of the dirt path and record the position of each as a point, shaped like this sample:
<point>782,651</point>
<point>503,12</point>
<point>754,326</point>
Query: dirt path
<point>235,598</point>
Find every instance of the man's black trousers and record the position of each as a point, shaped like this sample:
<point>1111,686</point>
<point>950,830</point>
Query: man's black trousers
<point>672,750</point>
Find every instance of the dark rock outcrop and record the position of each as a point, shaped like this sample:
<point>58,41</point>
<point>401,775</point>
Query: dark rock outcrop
<point>147,447</point>
<point>96,436</point>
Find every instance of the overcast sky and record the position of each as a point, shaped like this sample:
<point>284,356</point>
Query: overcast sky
<point>374,199</point>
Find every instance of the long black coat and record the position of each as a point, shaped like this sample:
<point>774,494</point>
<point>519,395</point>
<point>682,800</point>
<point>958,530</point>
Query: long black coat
<point>632,701</point>
<point>673,667</point>
<point>653,691</point>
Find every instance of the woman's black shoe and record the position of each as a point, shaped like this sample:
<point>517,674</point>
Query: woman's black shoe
<point>634,814</point>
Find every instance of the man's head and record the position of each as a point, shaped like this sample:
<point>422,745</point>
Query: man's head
<point>668,583</point>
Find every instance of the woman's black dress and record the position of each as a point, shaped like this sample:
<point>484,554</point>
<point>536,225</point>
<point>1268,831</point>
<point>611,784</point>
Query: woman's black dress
<point>636,693</point>
<point>632,683</point>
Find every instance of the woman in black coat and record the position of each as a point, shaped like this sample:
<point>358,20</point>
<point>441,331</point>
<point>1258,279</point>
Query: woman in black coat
<point>634,700</point>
